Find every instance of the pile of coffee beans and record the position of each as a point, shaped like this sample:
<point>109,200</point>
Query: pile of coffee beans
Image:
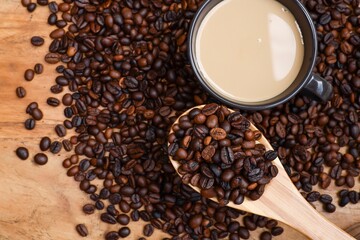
<point>125,66</point>
<point>219,153</point>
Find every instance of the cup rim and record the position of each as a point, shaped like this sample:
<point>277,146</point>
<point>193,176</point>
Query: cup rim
<point>253,106</point>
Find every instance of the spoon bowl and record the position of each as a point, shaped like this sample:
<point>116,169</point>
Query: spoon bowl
<point>282,201</point>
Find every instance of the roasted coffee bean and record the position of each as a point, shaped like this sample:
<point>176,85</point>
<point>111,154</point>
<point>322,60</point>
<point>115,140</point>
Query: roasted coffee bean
<point>29,75</point>
<point>52,58</point>
<point>22,153</point>
<point>42,2</point>
<point>60,130</point>
<point>106,217</point>
<point>55,147</point>
<point>265,236</point>
<point>40,159</point>
<point>38,68</point>
<point>313,196</point>
<point>20,92</point>
<point>53,7</point>
<point>82,230</point>
<point>31,7</point>
<point>276,231</point>
<point>37,41</point>
<point>67,145</point>
<point>112,236</point>
<point>25,2</point>
<point>329,207</point>
<point>37,114</point>
<point>123,219</point>
<point>88,208</point>
<point>29,123</point>
<point>148,230</point>
<point>325,198</point>
<point>124,232</point>
<point>53,101</point>
<point>45,143</point>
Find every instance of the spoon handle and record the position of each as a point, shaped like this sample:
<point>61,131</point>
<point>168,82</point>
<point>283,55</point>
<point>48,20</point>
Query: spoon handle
<point>307,220</point>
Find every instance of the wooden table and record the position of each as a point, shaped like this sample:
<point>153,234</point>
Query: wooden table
<point>41,202</point>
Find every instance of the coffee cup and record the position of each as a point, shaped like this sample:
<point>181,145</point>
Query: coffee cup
<point>255,54</point>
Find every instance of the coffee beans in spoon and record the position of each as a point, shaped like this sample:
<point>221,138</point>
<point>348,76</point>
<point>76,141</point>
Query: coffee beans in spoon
<point>218,152</point>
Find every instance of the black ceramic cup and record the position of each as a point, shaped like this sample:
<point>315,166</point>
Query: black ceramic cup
<point>306,82</point>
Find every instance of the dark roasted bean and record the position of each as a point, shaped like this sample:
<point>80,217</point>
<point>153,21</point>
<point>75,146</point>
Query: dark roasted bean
<point>40,159</point>
<point>20,92</point>
<point>29,75</point>
<point>37,41</point>
<point>22,153</point>
<point>82,230</point>
<point>29,124</point>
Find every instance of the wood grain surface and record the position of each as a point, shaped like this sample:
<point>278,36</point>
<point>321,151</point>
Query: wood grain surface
<point>41,202</point>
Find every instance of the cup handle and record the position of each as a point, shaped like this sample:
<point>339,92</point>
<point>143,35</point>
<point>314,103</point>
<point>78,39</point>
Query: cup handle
<point>319,88</point>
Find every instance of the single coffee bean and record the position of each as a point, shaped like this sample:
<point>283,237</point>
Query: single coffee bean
<point>82,230</point>
<point>29,124</point>
<point>37,41</point>
<point>37,114</point>
<point>124,232</point>
<point>40,159</point>
<point>52,58</point>
<point>53,7</point>
<point>29,74</point>
<point>88,208</point>
<point>22,153</point>
<point>45,143</point>
<point>25,2</point>
<point>276,231</point>
<point>325,198</point>
<point>53,101</point>
<point>60,130</point>
<point>123,219</point>
<point>67,145</point>
<point>330,207</point>
<point>31,7</point>
<point>112,235</point>
<point>55,147</point>
<point>42,2</point>
<point>148,230</point>
<point>38,68</point>
<point>57,33</point>
<point>106,217</point>
<point>265,236</point>
<point>20,92</point>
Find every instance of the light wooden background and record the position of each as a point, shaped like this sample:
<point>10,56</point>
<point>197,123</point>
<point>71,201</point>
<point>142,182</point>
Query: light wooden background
<point>41,202</point>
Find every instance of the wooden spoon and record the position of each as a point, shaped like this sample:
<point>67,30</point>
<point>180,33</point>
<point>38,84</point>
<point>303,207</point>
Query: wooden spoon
<point>282,201</point>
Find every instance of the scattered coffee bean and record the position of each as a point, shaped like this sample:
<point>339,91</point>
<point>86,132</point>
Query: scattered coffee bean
<point>55,147</point>
<point>40,159</point>
<point>29,124</point>
<point>29,74</point>
<point>38,68</point>
<point>60,130</point>
<point>89,208</point>
<point>45,143</point>
<point>22,153</point>
<point>37,114</point>
<point>31,7</point>
<point>20,92</point>
<point>37,41</point>
<point>124,232</point>
<point>51,101</point>
<point>82,230</point>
